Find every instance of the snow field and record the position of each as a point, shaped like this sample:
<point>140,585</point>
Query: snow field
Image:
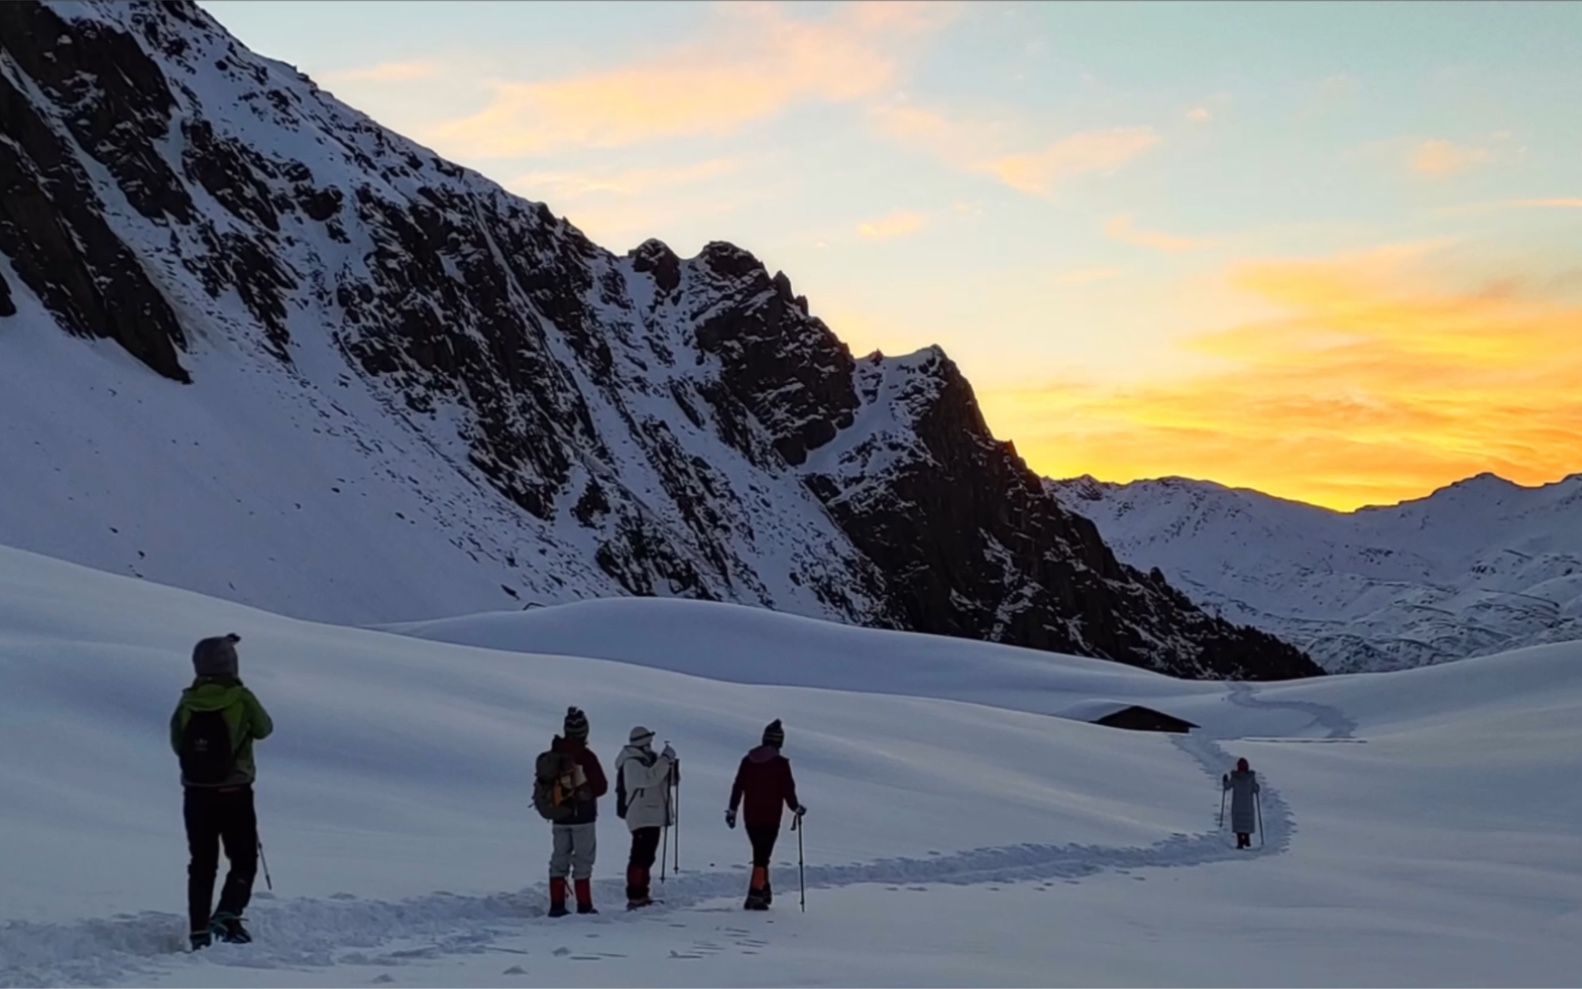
<point>1419,827</point>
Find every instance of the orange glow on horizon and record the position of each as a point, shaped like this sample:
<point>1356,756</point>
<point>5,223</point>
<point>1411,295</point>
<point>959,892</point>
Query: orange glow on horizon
<point>1374,383</point>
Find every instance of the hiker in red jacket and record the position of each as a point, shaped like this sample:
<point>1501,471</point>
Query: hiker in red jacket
<point>765,782</point>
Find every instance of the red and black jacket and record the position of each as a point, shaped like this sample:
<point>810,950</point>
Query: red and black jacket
<point>765,786</point>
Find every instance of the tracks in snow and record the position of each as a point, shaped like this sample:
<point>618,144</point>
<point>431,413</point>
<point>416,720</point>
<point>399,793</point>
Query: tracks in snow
<point>320,933</point>
<point>1331,719</point>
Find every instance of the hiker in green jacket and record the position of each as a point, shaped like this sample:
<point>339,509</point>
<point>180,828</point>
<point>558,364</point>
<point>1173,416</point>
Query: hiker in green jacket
<point>212,732</point>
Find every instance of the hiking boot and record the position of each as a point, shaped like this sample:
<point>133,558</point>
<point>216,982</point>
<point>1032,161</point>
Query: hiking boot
<point>584,888</point>
<point>228,928</point>
<point>558,910</point>
<point>769,894</point>
<point>639,903</point>
<point>200,939</point>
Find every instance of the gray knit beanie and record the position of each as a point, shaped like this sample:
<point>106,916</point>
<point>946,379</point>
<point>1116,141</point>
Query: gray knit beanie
<point>216,656</point>
<point>576,724</point>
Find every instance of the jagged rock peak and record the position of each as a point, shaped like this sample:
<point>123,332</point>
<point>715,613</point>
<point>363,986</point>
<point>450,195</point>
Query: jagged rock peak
<point>654,257</point>
<point>576,423</point>
<point>730,261</point>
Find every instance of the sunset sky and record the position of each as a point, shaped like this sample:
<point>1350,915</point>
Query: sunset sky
<point>1329,251</point>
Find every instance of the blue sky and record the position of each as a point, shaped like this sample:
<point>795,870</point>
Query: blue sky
<point>1111,215</point>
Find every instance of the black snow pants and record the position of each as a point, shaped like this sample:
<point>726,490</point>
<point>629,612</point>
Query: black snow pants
<point>645,848</point>
<point>763,839</point>
<point>215,816</point>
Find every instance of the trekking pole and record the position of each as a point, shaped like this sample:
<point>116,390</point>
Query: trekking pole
<point>664,834</point>
<point>801,879</point>
<point>1222,794</point>
<point>677,771</point>
<point>664,838</point>
<point>1257,803</point>
<point>265,863</point>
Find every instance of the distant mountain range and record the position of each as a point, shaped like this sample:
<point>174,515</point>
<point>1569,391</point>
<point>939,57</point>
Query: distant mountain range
<point>256,345</point>
<point>1480,566</point>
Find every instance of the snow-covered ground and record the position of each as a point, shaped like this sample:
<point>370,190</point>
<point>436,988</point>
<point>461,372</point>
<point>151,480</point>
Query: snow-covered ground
<point>1423,827</point>
<point>1478,567</point>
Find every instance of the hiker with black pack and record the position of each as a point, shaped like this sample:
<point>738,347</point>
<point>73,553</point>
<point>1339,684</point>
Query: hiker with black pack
<point>643,799</point>
<point>763,787</point>
<point>212,732</point>
<point>568,781</point>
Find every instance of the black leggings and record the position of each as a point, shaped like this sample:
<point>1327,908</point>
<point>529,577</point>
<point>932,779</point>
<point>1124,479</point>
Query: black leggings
<point>763,839</point>
<point>214,817</point>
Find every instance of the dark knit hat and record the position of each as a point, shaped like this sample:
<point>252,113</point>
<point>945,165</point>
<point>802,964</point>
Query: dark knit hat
<point>216,656</point>
<point>576,724</point>
<point>775,735</point>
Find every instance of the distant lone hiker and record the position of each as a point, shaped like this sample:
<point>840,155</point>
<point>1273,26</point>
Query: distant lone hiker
<point>212,733</point>
<point>1243,787</point>
<point>568,784</point>
<point>643,779</point>
<point>764,783</point>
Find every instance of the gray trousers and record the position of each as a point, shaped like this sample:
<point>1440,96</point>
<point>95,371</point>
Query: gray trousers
<point>575,847</point>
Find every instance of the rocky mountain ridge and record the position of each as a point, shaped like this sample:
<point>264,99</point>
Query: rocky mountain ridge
<point>468,403</point>
<point>1477,567</point>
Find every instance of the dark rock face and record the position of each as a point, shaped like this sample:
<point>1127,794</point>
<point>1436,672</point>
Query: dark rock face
<point>790,372</point>
<point>686,419</point>
<point>51,219</point>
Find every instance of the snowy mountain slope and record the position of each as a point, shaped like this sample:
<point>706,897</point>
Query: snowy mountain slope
<point>372,386</point>
<point>947,843</point>
<point>1480,566</point>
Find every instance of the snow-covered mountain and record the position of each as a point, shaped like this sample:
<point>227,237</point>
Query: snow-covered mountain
<point>1478,567</point>
<point>253,344</point>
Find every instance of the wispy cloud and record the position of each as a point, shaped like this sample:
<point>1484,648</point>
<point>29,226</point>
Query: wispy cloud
<point>1557,202</point>
<point>759,60</point>
<point>963,141</point>
<point>1124,229</point>
<point>1039,172</point>
<point>620,206</point>
<point>1332,93</point>
<point>1440,158</point>
<point>1380,375</point>
<point>898,223</point>
<point>1084,276</point>
<point>570,185</point>
<point>1571,202</point>
<point>388,72</point>
<point>990,145</point>
<point>1198,114</point>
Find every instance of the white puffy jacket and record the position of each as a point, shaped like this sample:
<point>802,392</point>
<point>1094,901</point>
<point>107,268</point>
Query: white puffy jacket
<point>644,773</point>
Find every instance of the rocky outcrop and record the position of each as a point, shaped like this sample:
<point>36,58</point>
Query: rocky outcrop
<point>675,426</point>
<point>52,224</point>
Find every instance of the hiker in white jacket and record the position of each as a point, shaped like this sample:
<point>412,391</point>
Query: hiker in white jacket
<point>644,799</point>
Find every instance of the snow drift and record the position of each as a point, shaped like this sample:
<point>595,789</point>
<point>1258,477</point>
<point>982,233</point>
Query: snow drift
<point>1419,831</point>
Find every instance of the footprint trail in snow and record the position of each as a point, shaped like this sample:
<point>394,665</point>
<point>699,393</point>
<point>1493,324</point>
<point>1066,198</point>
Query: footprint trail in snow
<point>311,933</point>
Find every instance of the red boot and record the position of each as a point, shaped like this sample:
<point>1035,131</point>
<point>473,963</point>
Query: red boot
<point>557,896</point>
<point>585,896</point>
<point>637,888</point>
